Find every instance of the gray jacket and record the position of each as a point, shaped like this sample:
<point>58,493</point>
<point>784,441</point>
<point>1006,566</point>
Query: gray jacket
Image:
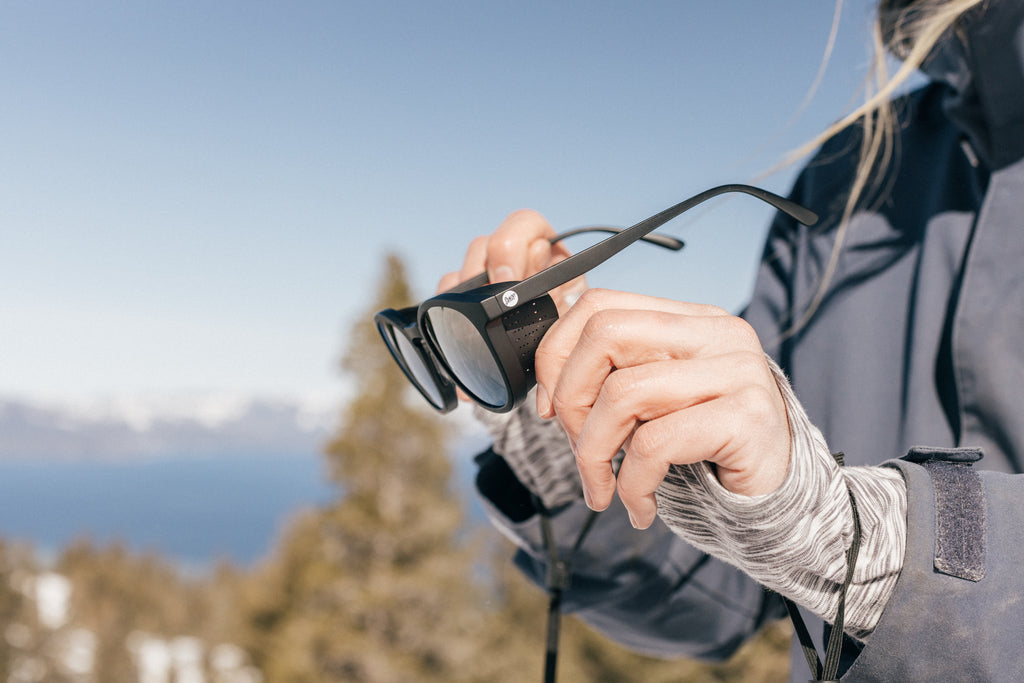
<point>919,341</point>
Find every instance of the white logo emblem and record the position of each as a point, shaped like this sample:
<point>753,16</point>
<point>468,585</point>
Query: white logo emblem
<point>510,298</point>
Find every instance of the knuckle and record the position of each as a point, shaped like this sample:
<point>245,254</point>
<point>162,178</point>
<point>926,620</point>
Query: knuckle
<point>756,404</point>
<point>741,331</point>
<point>544,352</point>
<point>594,330</point>
<point>447,281</point>
<point>473,261</point>
<point>521,217</point>
<point>478,244</point>
<point>645,443</point>
<point>519,229</point>
<point>747,333</point>
<point>618,390</point>
<point>596,324</point>
<point>631,489</point>
<point>504,247</point>
<point>592,299</point>
<point>551,347</point>
<point>749,363</point>
<point>712,310</point>
<point>601,324</point>
<point>539,255</point>
<point>561,403</point>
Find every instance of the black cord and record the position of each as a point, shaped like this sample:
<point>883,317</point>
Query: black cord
<point>559,575</point>
<point>833,650</point>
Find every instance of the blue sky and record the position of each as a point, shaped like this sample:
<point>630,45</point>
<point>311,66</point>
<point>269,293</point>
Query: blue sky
<point>197,196</point>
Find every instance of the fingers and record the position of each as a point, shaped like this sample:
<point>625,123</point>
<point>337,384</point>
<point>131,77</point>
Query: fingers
<point>608,329</point>
<point>681,437</point>
<point>472,265</point>
<point>668,382</point>
<point>448,281</point>
<point>633,396</point>
<point>475,260</point>
<point>519,247</point>
<point>724,431</point>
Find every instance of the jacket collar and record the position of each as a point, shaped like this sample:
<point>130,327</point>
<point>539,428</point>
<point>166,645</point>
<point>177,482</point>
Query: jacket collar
<point>982,59</point>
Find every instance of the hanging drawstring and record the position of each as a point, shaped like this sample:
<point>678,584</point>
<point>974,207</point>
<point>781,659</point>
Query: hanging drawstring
<point>559,575</point>
<point>833,651</point>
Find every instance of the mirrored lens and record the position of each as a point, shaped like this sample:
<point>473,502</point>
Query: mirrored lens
<point>409,356</point>
<point>468,355</point>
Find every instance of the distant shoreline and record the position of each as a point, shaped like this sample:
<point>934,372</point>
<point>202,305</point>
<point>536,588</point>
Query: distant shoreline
<point>194,510</point>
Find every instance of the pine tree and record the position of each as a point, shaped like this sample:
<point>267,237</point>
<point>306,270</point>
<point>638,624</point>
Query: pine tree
<point>21,633</point>
<point>377,586</point>
<point>118,595</point>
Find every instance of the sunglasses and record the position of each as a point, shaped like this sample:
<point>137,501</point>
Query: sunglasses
<point>481,337</point>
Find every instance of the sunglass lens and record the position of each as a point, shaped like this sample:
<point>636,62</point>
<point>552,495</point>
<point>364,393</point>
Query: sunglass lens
<point>412,361</point>
<point>468,355</point>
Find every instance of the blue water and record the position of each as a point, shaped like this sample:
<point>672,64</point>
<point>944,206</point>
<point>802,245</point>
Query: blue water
<point>193,510</point>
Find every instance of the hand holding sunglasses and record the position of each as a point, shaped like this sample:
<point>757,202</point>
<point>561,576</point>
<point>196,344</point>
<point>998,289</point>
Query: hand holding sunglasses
<point>482,336</point>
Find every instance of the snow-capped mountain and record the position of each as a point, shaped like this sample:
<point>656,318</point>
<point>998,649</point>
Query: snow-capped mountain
<point>133,427</point>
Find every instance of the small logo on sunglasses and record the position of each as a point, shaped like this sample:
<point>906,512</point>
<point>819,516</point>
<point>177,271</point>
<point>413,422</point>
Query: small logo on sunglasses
<point>510,298</point>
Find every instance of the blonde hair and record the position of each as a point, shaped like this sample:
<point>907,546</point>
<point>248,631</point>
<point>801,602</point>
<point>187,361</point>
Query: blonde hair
<point>908,30</point>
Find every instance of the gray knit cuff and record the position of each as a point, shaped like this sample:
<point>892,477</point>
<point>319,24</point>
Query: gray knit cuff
<point>536,450</point>
<point>794,540</point>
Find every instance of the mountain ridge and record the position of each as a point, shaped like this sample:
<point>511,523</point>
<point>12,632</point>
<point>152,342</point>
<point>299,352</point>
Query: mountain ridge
<point>127,428</point>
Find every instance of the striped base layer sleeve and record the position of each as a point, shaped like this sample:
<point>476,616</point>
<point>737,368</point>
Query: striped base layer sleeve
<point>537,451</point>
<point>794,540</point>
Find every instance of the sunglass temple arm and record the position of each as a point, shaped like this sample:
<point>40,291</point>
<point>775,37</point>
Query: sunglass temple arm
<point>574,266</point>
<point>664,241</point>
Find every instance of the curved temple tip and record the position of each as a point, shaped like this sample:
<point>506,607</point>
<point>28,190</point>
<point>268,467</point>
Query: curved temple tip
<point>666,241</point>
<point>798,212</point>
<point>805,216</point>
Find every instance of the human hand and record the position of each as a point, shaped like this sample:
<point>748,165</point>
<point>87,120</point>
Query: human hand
<point>669,382</point>
<point>520,247</point>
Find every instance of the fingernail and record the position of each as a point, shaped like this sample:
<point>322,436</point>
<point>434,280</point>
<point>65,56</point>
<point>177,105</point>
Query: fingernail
<point>632,519</point>
<point>503,274</point>
<point>645,517</point>
<point>543,401</point>
<point>586,497</point>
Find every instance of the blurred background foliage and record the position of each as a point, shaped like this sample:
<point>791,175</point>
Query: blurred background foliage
<point>388,582</point>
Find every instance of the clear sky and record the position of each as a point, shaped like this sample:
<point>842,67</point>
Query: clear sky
<point>197,196</point>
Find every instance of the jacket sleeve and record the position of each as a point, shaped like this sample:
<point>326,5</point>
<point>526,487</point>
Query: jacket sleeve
<point>648,590</point>
<point>956,612</point>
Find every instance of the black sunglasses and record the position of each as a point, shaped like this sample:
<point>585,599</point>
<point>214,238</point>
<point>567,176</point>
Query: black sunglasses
<point>482,336</point>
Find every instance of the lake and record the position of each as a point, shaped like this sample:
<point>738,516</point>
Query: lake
<point>194,510</point>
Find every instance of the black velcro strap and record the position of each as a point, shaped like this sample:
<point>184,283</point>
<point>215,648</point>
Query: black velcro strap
<point>960,529</point>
